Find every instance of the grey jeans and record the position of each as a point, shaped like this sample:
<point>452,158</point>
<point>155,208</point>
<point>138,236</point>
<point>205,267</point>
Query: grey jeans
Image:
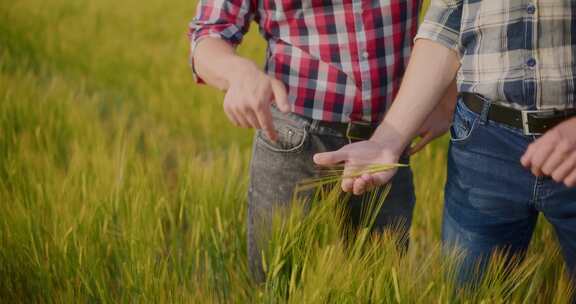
<point>277,167</point>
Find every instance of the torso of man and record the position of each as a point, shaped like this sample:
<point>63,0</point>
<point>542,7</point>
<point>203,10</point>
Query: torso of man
<point>340,60</point>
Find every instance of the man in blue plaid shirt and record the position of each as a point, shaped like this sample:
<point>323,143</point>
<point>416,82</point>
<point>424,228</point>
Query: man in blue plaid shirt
<point>513,149</point>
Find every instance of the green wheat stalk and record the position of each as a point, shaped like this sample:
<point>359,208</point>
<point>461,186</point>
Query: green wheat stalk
<point>336,173</point>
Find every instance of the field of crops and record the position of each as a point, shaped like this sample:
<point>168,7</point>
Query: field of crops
<point>122,181</point>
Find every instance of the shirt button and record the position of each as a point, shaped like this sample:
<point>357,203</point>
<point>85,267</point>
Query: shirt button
<point>531,62</point>
<point>365,55</point>
<point>531,9</point>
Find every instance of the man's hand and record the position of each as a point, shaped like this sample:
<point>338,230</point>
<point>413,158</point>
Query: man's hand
<point>356,157</point>
<point>439,121</point>
<point>249,91</point>
<point>249,96</point>
<point>554,154</point>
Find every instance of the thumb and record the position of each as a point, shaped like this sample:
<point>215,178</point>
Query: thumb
<point>280,96</point>
<point>428,137</point>
<point>330,158</point>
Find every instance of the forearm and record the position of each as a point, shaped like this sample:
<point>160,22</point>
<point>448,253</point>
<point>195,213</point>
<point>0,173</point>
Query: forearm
<point>216,62</point>
<point>431,71</point>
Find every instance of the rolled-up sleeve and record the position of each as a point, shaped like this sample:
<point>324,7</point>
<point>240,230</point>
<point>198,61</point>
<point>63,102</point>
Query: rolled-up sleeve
<point>442,23</point>
<point>227,20</point>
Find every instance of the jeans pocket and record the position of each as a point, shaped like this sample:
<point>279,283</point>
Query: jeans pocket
<point>464,124</point>
<point>291,135</point>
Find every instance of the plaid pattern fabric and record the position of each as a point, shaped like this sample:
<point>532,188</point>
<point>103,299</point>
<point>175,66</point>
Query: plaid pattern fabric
<point>517,53</point>
<point>340,60</point>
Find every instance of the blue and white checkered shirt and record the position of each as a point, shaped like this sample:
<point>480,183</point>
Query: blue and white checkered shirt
<point>518,53</point>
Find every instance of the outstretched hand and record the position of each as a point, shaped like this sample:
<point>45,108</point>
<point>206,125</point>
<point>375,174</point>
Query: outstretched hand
<point>357,157</point>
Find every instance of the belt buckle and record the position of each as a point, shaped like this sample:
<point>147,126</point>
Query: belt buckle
<point>349,128</point>
<point>526,122</point>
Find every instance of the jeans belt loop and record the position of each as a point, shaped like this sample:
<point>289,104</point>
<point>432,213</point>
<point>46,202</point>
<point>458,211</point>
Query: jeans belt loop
<point>485,112</point>
<point>349,126</point>
<point>312,125</point>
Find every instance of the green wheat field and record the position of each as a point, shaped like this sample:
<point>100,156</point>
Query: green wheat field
<point>122,182</point>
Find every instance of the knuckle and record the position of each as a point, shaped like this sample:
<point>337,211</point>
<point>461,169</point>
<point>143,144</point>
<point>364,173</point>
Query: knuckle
<point>572,159</point>
<point>571,179</point>
<point>556,177</point>
<point>271,81</point>
<point>259,106</point>
<point>233,107</point>
<point>244,107</point>
<point>553,135</point>
<point>539,159</point>
<point>564,146</point>
<point>266,86</point>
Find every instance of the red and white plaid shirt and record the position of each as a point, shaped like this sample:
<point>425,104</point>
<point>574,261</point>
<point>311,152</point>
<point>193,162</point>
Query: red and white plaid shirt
<point>340,60</point>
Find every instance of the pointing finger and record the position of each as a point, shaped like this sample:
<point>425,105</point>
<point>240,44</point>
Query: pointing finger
<point>251,118</point>
<point>265,119</point>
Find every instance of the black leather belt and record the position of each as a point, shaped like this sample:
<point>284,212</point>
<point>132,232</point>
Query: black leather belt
<point>531,122</point>
<point>354,130</point>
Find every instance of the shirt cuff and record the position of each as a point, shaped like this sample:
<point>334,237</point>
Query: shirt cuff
<point>438,33</point>
<point>193,45</point>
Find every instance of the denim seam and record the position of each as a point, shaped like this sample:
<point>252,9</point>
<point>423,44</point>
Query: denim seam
<point>296,149</point>
<point>464,139</point>
<point>536,191</point>
<point>471,129</point>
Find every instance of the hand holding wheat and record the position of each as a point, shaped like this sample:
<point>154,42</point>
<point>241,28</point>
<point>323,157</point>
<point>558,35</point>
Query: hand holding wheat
<point>367,164</point>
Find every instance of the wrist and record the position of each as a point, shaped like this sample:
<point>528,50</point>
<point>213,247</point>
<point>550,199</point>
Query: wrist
<point>387,137</point>
<point>239,69</point>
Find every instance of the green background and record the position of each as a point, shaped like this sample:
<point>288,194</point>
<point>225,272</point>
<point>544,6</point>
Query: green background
<point>122,181</point>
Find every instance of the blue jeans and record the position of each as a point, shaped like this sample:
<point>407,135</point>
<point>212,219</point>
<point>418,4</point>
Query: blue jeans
<point>492,202</point>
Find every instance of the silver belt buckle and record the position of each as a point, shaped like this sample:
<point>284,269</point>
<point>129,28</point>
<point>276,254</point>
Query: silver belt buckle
<point>525,118</point>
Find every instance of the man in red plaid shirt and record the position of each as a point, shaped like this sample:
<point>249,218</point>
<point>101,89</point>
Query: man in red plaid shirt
<point>332,69</point>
